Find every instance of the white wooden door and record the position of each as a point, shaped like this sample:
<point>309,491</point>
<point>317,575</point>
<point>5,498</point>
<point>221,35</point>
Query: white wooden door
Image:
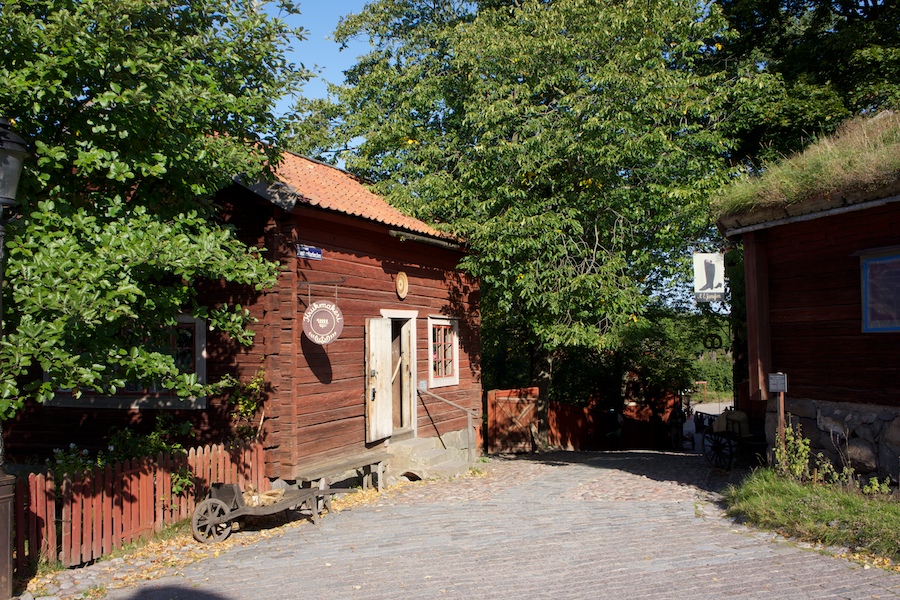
<point>379,399</point>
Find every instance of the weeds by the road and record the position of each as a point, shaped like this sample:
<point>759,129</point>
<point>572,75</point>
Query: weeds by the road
<point>867,525</point>
<point>821,505</point>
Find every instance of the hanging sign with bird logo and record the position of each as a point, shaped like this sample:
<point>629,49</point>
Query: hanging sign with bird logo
<point>709,277</point>
<point>323,322</point>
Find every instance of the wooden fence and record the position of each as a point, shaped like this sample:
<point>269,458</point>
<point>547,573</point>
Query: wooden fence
<point>512,420</point>
<point>89,514</point>
<point>576,427</point>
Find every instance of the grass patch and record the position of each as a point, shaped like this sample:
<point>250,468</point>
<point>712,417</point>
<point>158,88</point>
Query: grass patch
<point>825,514</point>
<point>863,155</point>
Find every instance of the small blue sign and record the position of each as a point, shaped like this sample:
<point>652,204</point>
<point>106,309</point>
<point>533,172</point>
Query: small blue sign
<point>309,252</point>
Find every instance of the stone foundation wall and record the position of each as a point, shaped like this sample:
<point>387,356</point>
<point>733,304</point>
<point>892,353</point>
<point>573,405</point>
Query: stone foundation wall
<point>867,436</point>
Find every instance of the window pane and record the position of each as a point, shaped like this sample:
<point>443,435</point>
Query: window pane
<point>184,348</point>
<point>442,338</point>
<point>881,293</point>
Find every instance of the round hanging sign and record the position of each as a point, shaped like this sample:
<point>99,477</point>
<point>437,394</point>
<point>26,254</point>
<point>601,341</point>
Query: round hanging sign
<point>402,285</point>
<point>323,322</point>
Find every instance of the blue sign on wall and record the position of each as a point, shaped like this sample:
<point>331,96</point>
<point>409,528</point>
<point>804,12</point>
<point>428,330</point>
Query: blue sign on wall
<point>309,252</point>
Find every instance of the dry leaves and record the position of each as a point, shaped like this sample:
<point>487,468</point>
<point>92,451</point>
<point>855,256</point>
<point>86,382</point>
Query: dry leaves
<point>164,557</point>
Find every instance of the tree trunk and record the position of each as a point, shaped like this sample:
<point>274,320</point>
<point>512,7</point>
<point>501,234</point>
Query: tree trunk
<point>542,374</point>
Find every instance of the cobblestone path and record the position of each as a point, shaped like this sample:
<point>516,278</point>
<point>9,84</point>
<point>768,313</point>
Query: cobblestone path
<point>560,525</point>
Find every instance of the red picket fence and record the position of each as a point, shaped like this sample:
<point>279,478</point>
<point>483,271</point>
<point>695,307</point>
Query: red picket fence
<point>92,513</point>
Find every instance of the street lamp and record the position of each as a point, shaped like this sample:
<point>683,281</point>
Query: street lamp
<point>12,157</point>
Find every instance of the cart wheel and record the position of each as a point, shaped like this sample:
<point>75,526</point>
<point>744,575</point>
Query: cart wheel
<point>208,523</point>
<point>718,450</point>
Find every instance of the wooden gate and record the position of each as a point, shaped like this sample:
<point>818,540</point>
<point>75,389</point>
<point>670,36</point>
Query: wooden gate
<point>512,420</point>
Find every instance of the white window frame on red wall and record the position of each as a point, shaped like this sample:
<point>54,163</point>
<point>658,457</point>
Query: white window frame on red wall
<point>434,353</point>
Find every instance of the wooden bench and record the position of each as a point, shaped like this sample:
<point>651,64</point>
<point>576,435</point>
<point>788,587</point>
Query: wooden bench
<point>319,472</point>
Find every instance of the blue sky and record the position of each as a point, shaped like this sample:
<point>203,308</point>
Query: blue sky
<point>319,18</point>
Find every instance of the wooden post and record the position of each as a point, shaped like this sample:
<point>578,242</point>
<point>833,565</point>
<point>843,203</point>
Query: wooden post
<point>470,437</point>
<point>759,351</point>
<point>778,384</point>
<point>7,520</point>
<point>781,424</point>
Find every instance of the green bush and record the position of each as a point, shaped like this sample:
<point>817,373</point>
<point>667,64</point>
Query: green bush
<point>792,459</point>
<point>715,368</point>
<point>124,444</point>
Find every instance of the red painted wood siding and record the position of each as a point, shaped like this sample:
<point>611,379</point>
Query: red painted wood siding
<point>815,308</point>
<point>316,405</point>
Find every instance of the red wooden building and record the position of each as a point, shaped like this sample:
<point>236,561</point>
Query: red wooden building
<point>822,276</point>
<point>392,338</point>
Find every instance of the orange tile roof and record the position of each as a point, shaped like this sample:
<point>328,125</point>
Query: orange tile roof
<point>325,186</point>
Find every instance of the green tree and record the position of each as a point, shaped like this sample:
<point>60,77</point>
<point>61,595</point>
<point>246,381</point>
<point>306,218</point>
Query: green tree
<point>804,66</point>
<point>138,111</point>
<point>572,143</point>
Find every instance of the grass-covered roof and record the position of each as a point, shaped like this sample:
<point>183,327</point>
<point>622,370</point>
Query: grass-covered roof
<point>858,164</point>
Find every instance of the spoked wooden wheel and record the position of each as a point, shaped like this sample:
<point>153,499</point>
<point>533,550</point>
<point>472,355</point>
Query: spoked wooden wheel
<point>209,521</point>
<point>718,450</point>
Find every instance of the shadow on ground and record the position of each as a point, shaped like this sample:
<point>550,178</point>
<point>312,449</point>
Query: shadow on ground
<point>682,468</point>
<point>173,592</point>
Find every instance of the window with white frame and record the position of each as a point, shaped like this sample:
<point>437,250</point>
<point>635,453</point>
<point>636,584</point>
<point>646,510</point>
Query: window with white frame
<point>187,341</point>
<point>443,351</point>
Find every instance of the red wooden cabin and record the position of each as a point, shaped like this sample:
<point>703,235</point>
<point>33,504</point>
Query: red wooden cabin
<point>408,320</point>
<point>822,279</point>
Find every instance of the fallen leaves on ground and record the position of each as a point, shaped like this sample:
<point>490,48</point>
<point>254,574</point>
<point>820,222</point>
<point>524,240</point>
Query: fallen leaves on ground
<point>871,560</point>
<point>161,557</point>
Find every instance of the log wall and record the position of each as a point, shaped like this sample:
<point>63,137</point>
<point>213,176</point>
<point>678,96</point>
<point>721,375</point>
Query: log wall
<point>328,382</point>
<point>815,308</point>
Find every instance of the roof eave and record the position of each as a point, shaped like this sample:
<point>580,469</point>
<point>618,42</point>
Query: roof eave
<point>734,226</point>
<point>278,193</point>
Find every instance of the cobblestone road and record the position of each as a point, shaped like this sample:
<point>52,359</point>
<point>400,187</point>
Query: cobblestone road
<point>560,525</point>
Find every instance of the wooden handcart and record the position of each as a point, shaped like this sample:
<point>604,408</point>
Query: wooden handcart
<point>212,519</point>
<point>727,437</point>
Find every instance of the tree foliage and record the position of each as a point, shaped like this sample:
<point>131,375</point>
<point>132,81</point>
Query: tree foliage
<point>572,143</point>
<point>804,66</point>
<point>137,112</point>
<point>660,353</point>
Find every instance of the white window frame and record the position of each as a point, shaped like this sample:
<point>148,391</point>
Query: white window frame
<point>453,379</point>
<point>149,400</point>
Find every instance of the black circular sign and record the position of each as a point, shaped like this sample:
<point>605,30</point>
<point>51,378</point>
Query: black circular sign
<point>712,341</point>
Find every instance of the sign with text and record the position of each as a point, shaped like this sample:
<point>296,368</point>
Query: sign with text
<point>309,252</point>
<point>323,322</point>
<point>777,383</point>
<point>709,277</point>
